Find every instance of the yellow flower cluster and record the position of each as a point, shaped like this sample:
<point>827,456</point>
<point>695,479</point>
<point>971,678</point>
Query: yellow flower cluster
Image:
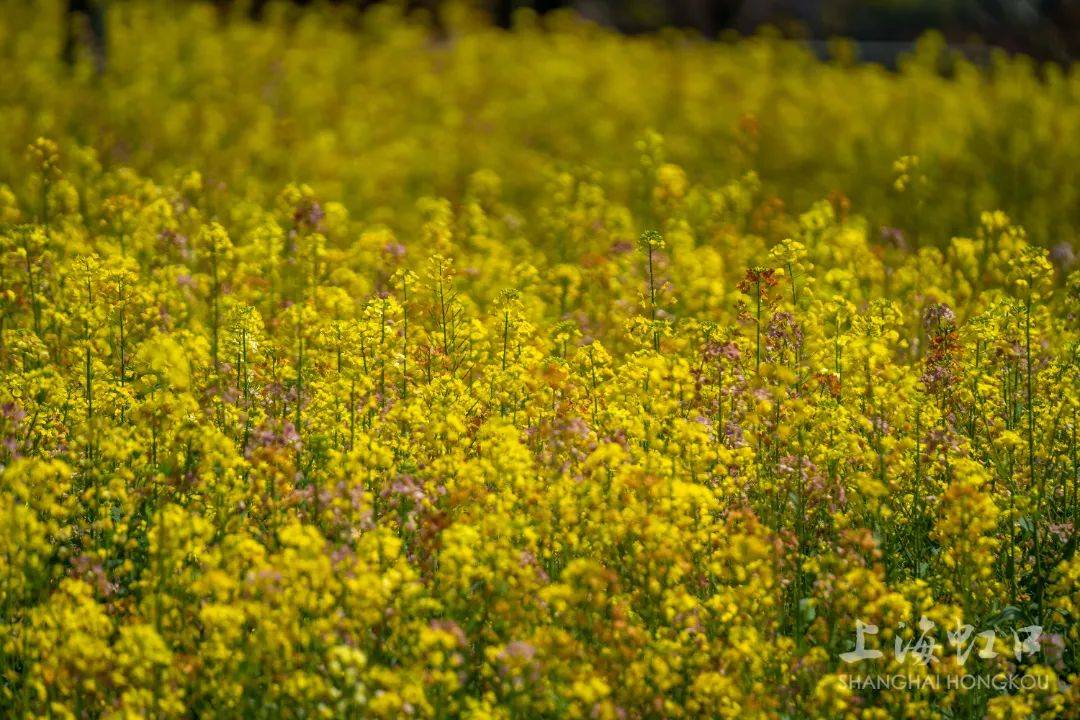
<point>347,372</point>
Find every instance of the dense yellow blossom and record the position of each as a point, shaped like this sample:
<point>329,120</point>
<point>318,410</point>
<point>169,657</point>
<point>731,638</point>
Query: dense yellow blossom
<point>351,371</point>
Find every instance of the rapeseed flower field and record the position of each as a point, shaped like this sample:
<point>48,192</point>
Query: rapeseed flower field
<point>352,370</point>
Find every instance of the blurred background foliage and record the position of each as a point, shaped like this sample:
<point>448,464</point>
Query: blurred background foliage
<point>403,102</point>
<point>1047,29</point>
